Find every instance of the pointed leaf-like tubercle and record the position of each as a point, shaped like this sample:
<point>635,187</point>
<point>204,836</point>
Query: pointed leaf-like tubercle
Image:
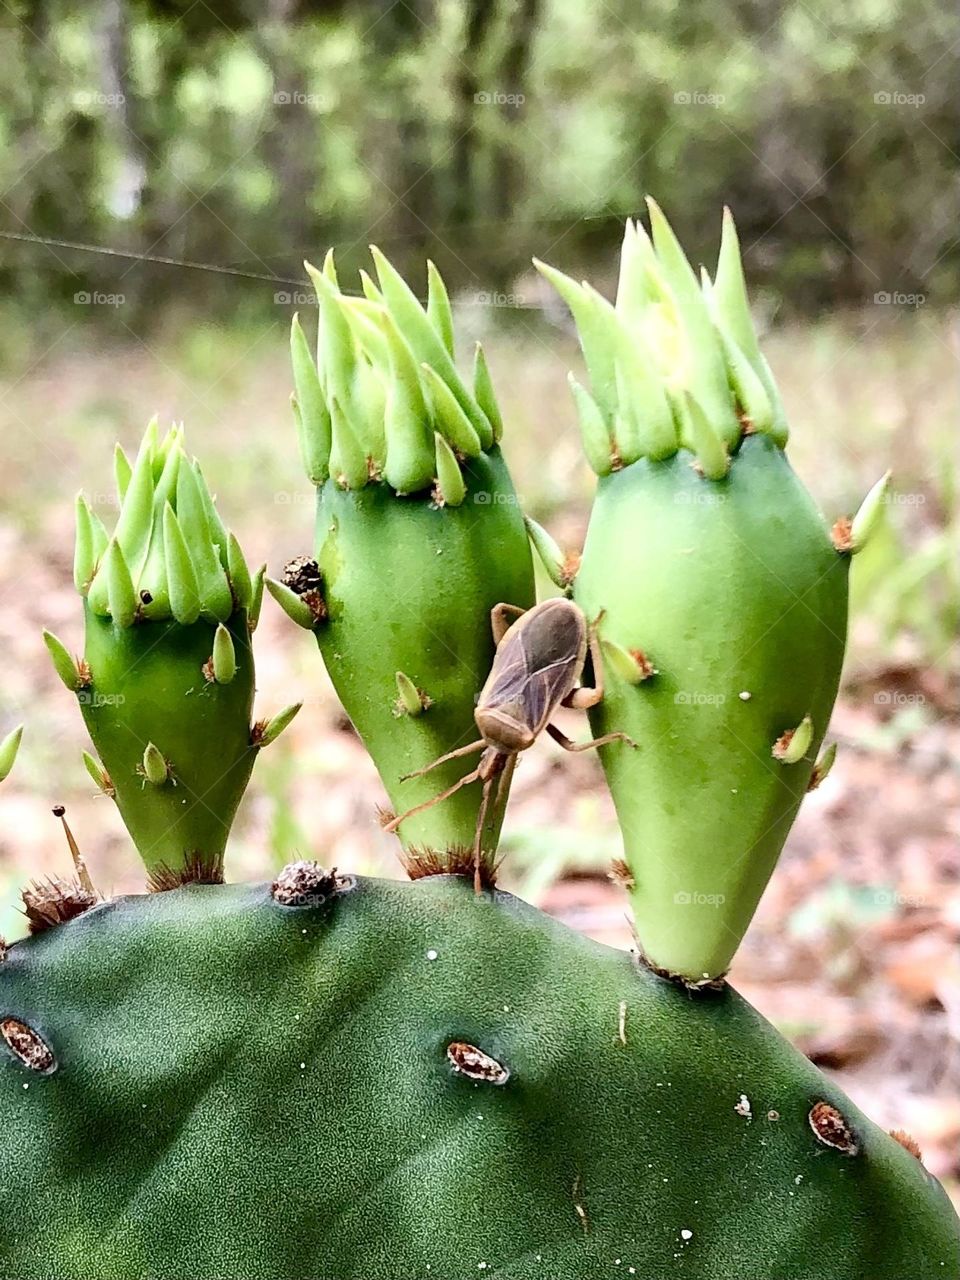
<point>216,598</point>
<point>484,393</point>
<point>166,483</point>
<point>271,729</point>
<point>823,766</point>
<point>101,779</point>
<point>181,573</point>
<point>644,411</point>
<point>122,471</point>
<point>121,597</point>
<point>597,339</point>
<point>370,290</point>
<point>426,344</point>
<point>449,417</point>
<point>632,667</point>
<point>705,440</point>
<point>64,663</point>
<point>450,480</point>
<point>868,518</point>
<point>256,598</point>
<point>223,660</point>
<point>216,526</point>
<point>85,554</point>
<point>240,582</point>
<point>348,461</point>
<point>132,533</point>
<point>551,557</point>
<point>314,418</point>
<point>439,311</point>
<point>154,766</point>
<point>410,701</point>
<point>409,465</point>
<point>793,745</point>
<point>730,293</point>
<point>597,443</point>
<point>8,751</point>
<point>336,354</point>
<point>747,386</point>
<point>634,293</point>
<point>294,606</point>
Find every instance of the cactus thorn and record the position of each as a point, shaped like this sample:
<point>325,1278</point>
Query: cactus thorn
<point>154,766</point>
<point>99,774</point>
<point>74,672</point>
<point>83,875</point>
<point>793,744</point>
<point>822,767</point>
<point>8,751</point>
<point>266,731</point>
<point>411,701</point>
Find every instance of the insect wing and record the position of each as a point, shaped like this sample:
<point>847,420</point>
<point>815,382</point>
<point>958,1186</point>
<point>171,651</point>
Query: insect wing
<point>536,666</point>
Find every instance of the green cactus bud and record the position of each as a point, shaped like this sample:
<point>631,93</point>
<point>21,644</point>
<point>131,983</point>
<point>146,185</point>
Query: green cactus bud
<point>867,520</point>
<point>415,545</point>
<point>438,307</point>
<point>410,700</point>
<point>451,489</point>
<point>314,416</point>
<point>223,660</point>
<point>156,1035</point>
<point>823,766</point>
<point>294,606</point>
<point>736,542</point>
<point>484,393</point>
<point>267,731</point>
<point>154,767</point>
<point>549,553</point>
<point>97,772</point>
<point>66,666</point>
<point>9,747</point>
<point>166,620</point>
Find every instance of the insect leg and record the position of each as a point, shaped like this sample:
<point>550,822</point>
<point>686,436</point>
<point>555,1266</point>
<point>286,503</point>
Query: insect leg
<point>451,755</point>
<point>427,804</point>
<point>569,745</point>
<point>478,842</point>
<point>588,696</point>
<point>499,615</point>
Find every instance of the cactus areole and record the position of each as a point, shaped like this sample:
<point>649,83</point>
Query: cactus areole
<point>413,1081</point>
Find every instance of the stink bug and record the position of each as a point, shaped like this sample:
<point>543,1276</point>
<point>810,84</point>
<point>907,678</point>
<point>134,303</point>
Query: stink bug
<point>536,668</point>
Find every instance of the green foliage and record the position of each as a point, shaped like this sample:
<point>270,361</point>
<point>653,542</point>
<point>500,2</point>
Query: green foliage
<point>331,1134</point>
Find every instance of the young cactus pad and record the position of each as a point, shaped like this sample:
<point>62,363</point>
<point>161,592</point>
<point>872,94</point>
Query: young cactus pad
<point>410,1081</point>
<point>418,535</point>
<point>717,577</point>
<point>166,679</point>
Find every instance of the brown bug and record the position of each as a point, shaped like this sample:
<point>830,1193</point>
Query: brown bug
<point>539,660</point>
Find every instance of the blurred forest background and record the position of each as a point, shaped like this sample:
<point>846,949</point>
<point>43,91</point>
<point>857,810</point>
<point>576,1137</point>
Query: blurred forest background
<point>164,169</point>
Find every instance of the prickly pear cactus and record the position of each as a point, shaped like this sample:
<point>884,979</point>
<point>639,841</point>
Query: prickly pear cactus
<point>418,535</point>
<point>166,680</point>
<point>413,1081</point>
<point>723,595</point>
